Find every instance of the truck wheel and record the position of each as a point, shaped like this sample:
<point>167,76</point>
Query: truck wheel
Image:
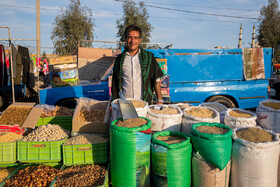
<point>68,103</point>
<point>223,100</point>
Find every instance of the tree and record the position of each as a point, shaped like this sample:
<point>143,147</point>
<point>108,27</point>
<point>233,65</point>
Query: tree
<point>137,16</point>
<point>73,24</point>
<point>269,28</point>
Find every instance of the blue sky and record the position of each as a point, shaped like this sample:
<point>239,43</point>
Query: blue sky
<point>182,29</point>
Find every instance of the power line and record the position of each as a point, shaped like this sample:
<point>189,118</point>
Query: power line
<point>195,12</point>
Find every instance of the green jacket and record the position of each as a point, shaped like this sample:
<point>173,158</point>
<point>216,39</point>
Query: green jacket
<point>150,72</point>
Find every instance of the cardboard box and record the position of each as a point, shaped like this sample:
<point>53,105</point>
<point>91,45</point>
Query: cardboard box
<point>63,60</point>
<point>30,121</point>
<point>162,64</point>
<point>88,126</point>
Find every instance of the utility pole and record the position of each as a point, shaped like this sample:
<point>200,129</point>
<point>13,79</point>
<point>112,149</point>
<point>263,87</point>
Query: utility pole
<point>240,37</point>
<point>38,32</point>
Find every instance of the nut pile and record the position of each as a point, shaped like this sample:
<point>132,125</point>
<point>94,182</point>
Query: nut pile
<point>89,175</point>
<point>171,139</point>
<point>85,139</point>
<point>5,173</point>
<point>275,106</point>
<point>15,115</point>
<point>201,112</point>
<point>212,130</point>
<point>132,122</point>
<point>165,110</point>
<point>9,137</point>
<point>47,132</point>
<point>239,114</point>
<point>93,116</point>
<point>33,176</point>
<point>59,111</point>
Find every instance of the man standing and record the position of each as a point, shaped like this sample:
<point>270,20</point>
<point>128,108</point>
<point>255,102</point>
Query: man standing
<point>136,72</point>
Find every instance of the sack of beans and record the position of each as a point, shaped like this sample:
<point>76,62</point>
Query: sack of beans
<point>255,155</point>
<point>213,142</point>
<point>171,159</point>
<point>183,106</point>
<point>140,106</point>
<point>268,112</point>
<point>197,114</point>
<point>130,142</point>
<point>218,107</point>
<point>205,174</point>
<point>236,117</point>
<point>165,117</point>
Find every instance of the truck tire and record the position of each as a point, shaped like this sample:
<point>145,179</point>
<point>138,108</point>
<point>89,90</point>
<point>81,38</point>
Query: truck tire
<point>68,103</point>
<point>223,100</point>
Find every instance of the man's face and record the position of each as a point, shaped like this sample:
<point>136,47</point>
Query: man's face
<point>133,40</point>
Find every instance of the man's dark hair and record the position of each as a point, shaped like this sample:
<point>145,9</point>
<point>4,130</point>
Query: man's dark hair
<point>132,28</point>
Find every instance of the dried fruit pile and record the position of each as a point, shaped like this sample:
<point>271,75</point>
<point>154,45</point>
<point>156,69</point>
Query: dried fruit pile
<point>201,112</point>
<point>9,137</point>
<point>47,132</point>
<point>5,173</point>
<point>132,122</point>
<point>15,115</point>
<point>33,176</point>
<point>59,111</point>
<point>170,139</point>
<point>85,139</point>
<point>89,175</point>
<point>212,130</point>
<point>93,116</point>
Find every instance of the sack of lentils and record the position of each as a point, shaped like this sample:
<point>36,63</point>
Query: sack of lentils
<point>130,142</point>
<point>255,155</point>
<point>140,106</point>
<point>213,142</point>
<point>197,114</point>
<point>218,107</point>
<point>171,159</point>
<point>236,117</point>
<point>205,174</point>
<point>268,112</point>
<point>165,117</point>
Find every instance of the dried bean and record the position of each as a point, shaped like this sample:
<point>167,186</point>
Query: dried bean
<point>9,137</point>
<point>89,175</point>
<point>93,116</point>
<point>47,132</point>
<point>33,176</point>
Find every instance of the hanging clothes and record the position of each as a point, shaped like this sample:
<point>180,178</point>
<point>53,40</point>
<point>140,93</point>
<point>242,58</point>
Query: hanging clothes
<point>3,67</point>
<point>25,61</point>
<point>14,62</point>
<point>18,69</point>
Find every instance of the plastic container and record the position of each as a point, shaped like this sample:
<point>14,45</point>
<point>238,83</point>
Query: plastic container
<point>37,152</point>
<point>64,121</point>
<point>85,154</point>
<point>8,152</point>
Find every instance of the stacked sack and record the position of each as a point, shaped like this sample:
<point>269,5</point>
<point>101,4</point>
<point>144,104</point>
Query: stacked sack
<point>194,114</point>
<point>212,145</point>
<point>218,107</point>
<point>236,117</point>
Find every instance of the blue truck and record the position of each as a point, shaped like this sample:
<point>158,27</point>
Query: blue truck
<point>196,76</point>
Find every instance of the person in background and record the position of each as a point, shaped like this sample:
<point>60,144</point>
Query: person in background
<point>136,72</point>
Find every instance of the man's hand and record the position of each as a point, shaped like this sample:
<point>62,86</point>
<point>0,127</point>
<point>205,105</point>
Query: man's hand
<point>159,103</point>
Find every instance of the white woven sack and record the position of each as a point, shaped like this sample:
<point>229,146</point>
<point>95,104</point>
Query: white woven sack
<point>116,113</point>
<point>235,122</point>
<point>268,118</point>
<point>254,164</point>
<point>205,174</point>
<point>182,106</point>
<point>162,122</point>
<point>189,120</point>
<point>217,106</point>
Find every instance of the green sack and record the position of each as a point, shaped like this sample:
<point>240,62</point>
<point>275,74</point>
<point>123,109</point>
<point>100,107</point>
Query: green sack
<point>130,155</point>
<point>171,163</point>
<point>214,148</point>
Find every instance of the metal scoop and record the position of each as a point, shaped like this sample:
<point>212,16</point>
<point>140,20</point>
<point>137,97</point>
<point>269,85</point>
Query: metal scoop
<point>126,107</point>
